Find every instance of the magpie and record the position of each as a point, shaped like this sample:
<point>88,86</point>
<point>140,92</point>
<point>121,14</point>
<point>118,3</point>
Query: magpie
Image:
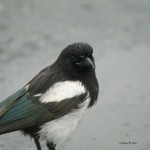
<point>52,104</point>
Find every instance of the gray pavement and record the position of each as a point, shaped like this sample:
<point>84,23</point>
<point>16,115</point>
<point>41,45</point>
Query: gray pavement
<point>32,34</point>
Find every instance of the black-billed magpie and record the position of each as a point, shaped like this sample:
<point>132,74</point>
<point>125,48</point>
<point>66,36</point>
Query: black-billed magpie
<point>52,104</point>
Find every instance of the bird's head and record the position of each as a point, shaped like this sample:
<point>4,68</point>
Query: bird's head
<point>77,58</point>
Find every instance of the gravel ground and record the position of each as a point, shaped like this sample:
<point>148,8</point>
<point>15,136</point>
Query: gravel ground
<point>32,34</point>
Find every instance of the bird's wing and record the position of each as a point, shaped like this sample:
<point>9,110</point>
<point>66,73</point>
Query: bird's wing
<point>21,111</point>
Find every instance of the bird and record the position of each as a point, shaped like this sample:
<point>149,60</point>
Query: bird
<point>52,104</point>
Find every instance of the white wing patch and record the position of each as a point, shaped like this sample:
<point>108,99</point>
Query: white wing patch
<point>26,87</point>
<point>37,95</point>
<point>63,90</point>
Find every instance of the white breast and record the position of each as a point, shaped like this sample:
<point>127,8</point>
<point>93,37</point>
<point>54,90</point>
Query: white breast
<point>61,129</point>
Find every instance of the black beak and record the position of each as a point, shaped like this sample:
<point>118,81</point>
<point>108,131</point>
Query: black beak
<point>87,62</point>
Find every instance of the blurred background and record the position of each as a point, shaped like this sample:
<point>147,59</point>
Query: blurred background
<point>33,33</point>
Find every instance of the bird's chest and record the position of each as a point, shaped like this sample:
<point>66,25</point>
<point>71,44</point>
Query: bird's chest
<point>60,130</point>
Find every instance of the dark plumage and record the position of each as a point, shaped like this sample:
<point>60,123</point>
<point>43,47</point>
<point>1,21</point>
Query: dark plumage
<point>59,93</point>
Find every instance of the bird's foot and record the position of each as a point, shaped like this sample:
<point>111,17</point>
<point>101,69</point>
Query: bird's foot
<point>51,146</point>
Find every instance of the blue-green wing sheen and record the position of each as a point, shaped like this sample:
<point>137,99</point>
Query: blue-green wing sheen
<point>20,111</point>
<point>9,102</point>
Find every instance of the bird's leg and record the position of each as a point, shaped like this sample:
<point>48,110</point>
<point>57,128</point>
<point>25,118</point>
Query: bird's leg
<point>51,146</point>
<point>37,143</point>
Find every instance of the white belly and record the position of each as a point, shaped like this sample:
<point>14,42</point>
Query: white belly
<point>61,129</point>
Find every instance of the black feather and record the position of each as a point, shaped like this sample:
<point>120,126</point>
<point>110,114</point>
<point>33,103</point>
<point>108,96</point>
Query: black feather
<point>23,111</point>
<point>62,70</point>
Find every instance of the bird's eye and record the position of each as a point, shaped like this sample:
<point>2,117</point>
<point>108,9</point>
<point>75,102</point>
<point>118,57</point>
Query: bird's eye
<point>74,58</point>
<point>82,57</point>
